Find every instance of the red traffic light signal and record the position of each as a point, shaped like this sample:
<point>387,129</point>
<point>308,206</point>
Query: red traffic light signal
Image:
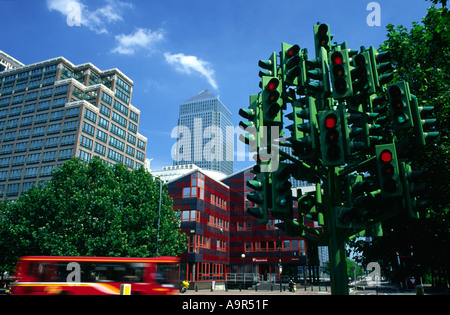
<point>332,145</point>
<point>388,170</point>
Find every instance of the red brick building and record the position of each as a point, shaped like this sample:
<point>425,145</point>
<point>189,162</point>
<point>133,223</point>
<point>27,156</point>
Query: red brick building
<point>223,239</point>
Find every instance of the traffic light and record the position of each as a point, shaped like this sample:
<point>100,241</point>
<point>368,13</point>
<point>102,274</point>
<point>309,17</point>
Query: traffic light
<point>318,71</point>
<point>359,134</point>
<point>351,217</point>
<point>253,114</point>
<point>411,190</point>
<point>272,102</point>
<point>420,123</point>
<point>331,138</point>
<point>322,37</point>
<point>388,170</point>
<point>308,206</point>
<point>362,75</point>
<point>304,128</point>
<point>281,192</point>
<point>260,196</point>
<point>381,67</point>
<point>353,132</point>
<point>292,64</point>
<point>399,98</point>
<point>340,74</point>
<point>269,66</point>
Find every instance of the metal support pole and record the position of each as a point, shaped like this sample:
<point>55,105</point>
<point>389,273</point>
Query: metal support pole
<point>336,244</point>
<point>159,217</point>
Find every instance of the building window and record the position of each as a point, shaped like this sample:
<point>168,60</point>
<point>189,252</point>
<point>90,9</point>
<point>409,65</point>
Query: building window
<point>218,223</point>
<point>65,154</point>
<point>86,142</point>
<point>31,172</point>
<point>104,110</point>
<point>198,241</point>
<point>88,128</point>
<point>90,115</point>
<point>34,158</point>
<point>221,245</point>
<point>12,190</point>
<point>102,136</point>
<point>84,156</point>
<point>115,156</point>
<point>190,216</point>
<point>27,186</point>
<point>100,149</point>
<point>49,156</point>
<point>18,160</point>
<point>15,174</point>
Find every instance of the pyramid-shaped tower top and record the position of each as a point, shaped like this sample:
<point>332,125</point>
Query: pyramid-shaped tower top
<point>203,95</point>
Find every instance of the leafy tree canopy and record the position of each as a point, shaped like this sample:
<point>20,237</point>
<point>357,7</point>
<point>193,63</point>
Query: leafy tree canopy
<point>420,56</point>
<point>90,209</point>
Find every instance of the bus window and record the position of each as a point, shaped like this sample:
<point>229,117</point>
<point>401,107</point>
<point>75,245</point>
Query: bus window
<point>167,275</point>
<point>126,272</point>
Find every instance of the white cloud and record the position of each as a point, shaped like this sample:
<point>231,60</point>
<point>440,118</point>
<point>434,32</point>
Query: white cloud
<point>141,38</point>
<point>189,64</point>
<point>96,20</point>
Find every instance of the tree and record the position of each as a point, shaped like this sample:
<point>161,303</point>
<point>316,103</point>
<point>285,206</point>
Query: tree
<point>421,57</point>
<point>90,209</point>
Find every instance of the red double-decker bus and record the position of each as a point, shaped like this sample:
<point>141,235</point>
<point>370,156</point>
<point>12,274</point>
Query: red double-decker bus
<point>95,275</point>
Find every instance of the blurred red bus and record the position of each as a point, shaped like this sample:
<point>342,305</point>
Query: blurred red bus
<point>95,275</point>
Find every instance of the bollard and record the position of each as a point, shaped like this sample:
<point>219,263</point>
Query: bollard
<point>419,290</point>
<point>125,289</point>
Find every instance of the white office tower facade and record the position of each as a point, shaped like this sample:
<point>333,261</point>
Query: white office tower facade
<point>205,134</point>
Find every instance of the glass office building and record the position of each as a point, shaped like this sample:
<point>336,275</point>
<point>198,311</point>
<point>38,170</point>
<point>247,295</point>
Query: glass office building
<point>52,111</point>
<point>209,143</point>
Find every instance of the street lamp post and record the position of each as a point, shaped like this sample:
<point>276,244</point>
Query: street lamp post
<point>243,268</point>
<point>159,217</point>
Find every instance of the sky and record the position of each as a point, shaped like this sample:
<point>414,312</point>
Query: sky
<point>174,49</point>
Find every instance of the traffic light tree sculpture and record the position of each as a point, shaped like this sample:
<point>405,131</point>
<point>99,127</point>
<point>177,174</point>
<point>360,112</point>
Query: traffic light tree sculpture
<point>347,123</point>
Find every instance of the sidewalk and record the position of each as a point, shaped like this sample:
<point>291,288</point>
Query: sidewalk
<point>266,289</point>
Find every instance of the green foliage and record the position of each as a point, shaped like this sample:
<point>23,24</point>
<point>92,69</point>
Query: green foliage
<point>421,57</point>
<point>90,210</point>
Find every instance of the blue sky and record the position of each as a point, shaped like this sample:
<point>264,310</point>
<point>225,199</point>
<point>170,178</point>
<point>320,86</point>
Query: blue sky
<point>174,49</point>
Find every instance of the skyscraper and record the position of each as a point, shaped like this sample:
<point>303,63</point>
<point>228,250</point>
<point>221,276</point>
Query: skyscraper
<point>205,134</point>
<point>52,111</point>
